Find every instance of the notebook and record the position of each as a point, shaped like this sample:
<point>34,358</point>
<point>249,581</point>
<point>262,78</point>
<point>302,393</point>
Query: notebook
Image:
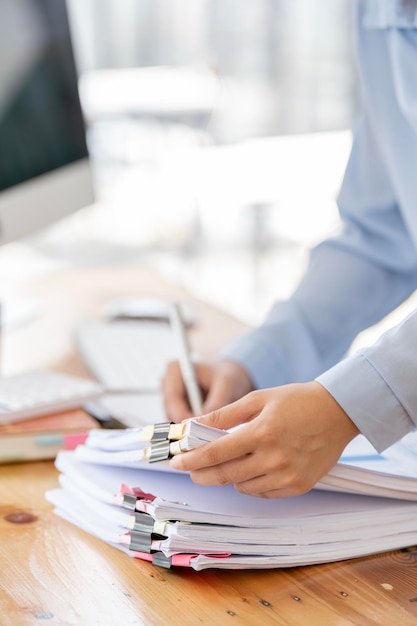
<point>41,438</point>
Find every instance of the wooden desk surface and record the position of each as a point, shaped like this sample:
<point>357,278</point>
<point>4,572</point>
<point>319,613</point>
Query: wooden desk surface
<point>52,573</point>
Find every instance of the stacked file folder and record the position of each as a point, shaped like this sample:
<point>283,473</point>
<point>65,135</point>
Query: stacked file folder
<point>109,488</point>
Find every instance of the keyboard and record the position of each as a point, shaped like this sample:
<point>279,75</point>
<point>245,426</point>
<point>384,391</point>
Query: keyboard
<point>126,355</point>
<point>43,392</point>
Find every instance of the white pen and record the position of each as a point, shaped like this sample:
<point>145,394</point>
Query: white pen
<point>186,365</point>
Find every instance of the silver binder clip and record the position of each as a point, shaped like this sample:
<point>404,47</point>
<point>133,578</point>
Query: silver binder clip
<point>129,501</point>
<point>161,560</point>
<point>143,522</point>
<point>141,542</point>
<point>159,451</point>
<point>161,431</point>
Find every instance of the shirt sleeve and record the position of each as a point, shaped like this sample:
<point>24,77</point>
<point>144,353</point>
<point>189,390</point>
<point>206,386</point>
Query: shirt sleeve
<point>358,277</point>
<point>377,386</point>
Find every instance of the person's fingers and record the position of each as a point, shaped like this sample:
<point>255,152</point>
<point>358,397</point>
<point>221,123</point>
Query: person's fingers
<point>175,398</point>
<point>221,383</point>
<point>238,471</point>
<point>232,446</point>
<point>277,484</point>
<point>172,379</point>
<point>239,412</point>
<point>288,439</point>
<point>250,470</point>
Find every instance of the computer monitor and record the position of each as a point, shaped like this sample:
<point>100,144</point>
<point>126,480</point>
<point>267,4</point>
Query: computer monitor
<point>44,167</point>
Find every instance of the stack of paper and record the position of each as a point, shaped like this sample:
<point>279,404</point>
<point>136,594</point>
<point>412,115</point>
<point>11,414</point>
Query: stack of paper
<point>153,513</point>
<point>361,470</point>
<point>392,474</point>
<point>136,446</point>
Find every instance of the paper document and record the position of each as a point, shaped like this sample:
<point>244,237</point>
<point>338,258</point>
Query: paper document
<point>167,519</point>
<point>360,469</point>
<point>138,446</point>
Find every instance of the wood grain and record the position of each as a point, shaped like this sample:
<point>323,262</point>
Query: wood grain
<point>52,573</point>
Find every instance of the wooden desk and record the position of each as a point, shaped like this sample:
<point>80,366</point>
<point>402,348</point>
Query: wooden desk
<point>52,573</point>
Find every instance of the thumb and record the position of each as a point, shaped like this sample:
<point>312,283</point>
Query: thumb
<point>239,412</point>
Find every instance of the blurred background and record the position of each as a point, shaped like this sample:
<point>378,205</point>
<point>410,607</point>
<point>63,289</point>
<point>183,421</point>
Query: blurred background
<point>219,131</point>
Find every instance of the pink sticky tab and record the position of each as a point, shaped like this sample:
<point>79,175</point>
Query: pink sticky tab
<point>72,441</point>
<point>143,555</point>
<point>182,560</point>
<point>126,489</point>
<point>223,555</point>
<point>136,491</point>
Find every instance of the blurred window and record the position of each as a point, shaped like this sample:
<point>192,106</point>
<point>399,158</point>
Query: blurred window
<point>283,66</point>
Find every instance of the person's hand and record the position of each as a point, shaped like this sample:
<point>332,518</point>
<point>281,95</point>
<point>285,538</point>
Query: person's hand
<point>292,436</point>
<point>221,383</point>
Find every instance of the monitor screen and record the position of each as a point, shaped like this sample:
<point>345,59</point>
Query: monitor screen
<point>44,168</point>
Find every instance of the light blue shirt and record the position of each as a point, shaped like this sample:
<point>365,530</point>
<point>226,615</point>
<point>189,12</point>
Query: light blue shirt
<point>358,277</point>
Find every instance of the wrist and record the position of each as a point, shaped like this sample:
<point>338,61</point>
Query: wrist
<point>347,429</point>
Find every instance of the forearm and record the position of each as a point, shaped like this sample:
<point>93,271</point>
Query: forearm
<point>340,295</point>
<point>355,279</point>
<point>343,293</point>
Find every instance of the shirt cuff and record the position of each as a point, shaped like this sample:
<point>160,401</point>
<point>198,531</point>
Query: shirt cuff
<point>367,399</point>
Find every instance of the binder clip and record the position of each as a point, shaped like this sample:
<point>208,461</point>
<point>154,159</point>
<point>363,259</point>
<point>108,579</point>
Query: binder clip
<point>157,432</point>
<point>129,501</point>
<point>159,451</point>
<point>142,532</point>
<point>164,439</point>
<point>140,542</point>
<point>161,560</point>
